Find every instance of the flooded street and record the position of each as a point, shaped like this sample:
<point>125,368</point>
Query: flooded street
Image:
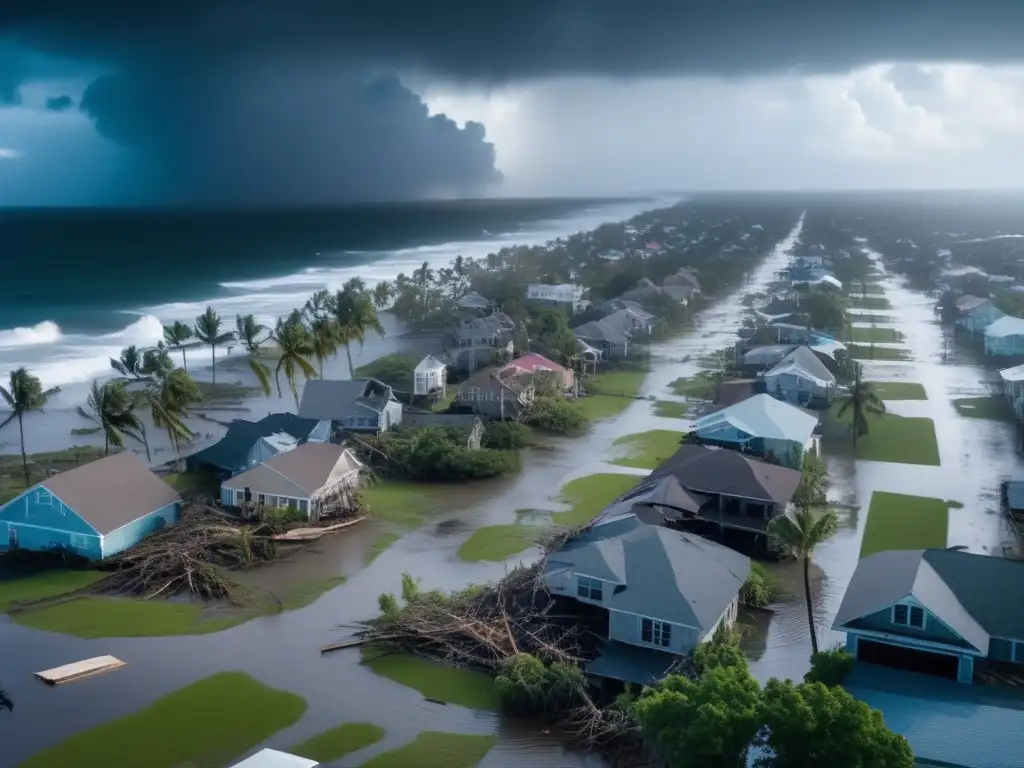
<point>282,650</point>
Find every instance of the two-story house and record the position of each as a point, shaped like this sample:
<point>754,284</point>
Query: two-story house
<point>656,593</point>
<point>802,379</point>
<point>360,405</point>
<point>481,341</point>
<point>499,394</point>
<point>936,611</point>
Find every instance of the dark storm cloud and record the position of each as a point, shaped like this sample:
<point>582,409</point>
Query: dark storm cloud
<point>59,103</point>
<point>240,99</point>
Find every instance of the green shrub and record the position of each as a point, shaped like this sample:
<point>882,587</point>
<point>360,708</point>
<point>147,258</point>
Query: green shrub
<point>723,650</point>
<point>556,414</point>
<point>279,518</point>
<point>757,590</point>
<point>526,686</point>
<point>830,667</point>
<point>431,454</point>
<point>506,436</point>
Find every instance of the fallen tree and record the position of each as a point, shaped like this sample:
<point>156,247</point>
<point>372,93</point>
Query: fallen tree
<point>193,556</point>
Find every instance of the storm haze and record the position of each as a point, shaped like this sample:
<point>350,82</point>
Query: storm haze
<point>236,102</point>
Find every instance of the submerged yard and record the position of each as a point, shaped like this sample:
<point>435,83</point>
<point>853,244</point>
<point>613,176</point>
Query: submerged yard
<point>611,392</point>
<point>869,352</point>
<point>338,742</point>
<point>499,542</point>
<point>899,390</point>
<point>18,587</point>
<point>993,407</point>
<point>590,495</point>
<point>873,335</point>
<point>205,725</point>
<point>433,749</point>
<point>452,685</point>
<point>898,521</point>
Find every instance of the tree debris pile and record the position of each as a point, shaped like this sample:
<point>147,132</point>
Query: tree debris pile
<point>431,454</point>
<point>192,556</point>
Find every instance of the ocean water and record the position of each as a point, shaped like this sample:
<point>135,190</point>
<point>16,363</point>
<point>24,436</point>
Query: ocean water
<point>80,285</point>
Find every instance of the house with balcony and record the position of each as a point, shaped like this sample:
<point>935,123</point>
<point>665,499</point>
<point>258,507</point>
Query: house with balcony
<point>655,593</point>
<point>941,612</point>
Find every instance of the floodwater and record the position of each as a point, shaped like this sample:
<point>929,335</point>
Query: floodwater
<point>282,650</point>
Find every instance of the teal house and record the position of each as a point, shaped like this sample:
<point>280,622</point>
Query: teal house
<point>96,510</point>
<point>939,612</point>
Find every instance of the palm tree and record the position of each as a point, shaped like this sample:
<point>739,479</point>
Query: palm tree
<point>130,364</point>
<point>176,335</point>
<point>319,305</point>
<point>323,336</point>
<point>354,315</point>
<point>169,399</point>
<point>799,533</point>
<point>248,333</point>
<point>208,331</point>
<point>23,394</point>
<point>382,293</point>
<point>111,408</point>
<point>423,276</point>
<point>295,344</point>
<point>861,402</point>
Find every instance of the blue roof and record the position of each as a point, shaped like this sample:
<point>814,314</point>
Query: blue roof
<point>953,724</point>
<point>763,416</point>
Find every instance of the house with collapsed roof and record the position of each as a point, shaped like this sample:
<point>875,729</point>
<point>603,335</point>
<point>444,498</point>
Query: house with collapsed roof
<point>941,612</point>
<point>359,405</point>
<point>247,443</point>
<point>655,593</point>
<point>95,510</point>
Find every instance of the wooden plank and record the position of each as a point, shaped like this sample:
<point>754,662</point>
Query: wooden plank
<point>312,534</point>
<point>80,669</point>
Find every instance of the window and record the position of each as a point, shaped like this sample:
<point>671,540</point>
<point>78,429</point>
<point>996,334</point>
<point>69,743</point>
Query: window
<point>44,497</point>
<point>908,616</point>
<point>303,506</point>
<point>655,632</point>
<point>591,589</point>
<point>239,498</point>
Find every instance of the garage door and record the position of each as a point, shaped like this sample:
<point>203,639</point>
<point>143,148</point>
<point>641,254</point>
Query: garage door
<point>925,662</point>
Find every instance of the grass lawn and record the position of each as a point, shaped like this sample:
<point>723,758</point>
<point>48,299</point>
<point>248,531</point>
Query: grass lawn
<point>648,450</point>
<point>699,387</point>
<point>205,725</point>
<point>869,318</point>
<point>496,543</point>
<point>590,495</point>
<point>870,302</point>
<point>432,749</point>
<point>453,685</point>
<point>124,617</point>
<point>395,370</point>
<point>39,586</point>
<point>992,407</point>
<point>866,352</point>
<point>896,521</point>
<point>899,390</point>
<point>380,544</point>
<point>396,502</point>
<point>890,438</point>
<point>338,742</point>
<point>869,335</point>
<point>670,409</point>
<point>41,466</point>
<point>611,393</point>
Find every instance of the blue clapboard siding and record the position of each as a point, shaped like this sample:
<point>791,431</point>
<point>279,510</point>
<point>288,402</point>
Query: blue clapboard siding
<point>129,535</point>
<point>42,522</point>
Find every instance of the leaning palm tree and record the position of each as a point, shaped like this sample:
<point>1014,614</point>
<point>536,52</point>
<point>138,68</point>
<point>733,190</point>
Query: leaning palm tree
<point>207,330</point>
<point>799,533</point>
<point>295,343</point>
<point>170,399</point>
<point>861,403</point>
<point>355,315</point>
<point>423,276</point>
<point>248,333</point>
<point>318,306</point>
<point>130,363</point>
<point>382,293</point>
<point>323,334</point>
<point>23,394</point>
<point>110,407</point>
<point>176,335</point>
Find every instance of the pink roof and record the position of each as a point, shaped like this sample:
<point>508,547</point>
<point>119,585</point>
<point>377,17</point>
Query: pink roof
<point>654,245</point>
<point>534,361</point>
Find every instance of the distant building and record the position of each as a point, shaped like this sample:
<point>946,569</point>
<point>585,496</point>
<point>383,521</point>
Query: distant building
<point>1005,337</point>
<point>802,379</point>
<point>96,510</point>
<point>976,313</point>
<point>569,294</point>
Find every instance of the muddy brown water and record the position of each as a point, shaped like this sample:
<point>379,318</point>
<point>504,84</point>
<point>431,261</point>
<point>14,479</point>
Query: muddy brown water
<point>282,650</point>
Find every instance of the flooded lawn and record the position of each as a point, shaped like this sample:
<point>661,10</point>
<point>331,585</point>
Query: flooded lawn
<point>432,749</point>
<point>338,742</point>
<point>899,390</point>
<point>898,521</point>
<point>648,450</point>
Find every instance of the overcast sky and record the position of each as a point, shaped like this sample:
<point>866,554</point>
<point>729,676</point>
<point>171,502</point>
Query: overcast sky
<point>229,102</point>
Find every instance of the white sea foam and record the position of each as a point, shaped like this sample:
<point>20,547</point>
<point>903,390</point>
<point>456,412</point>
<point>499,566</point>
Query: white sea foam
<point>46,332</point>
<point>62,359</point>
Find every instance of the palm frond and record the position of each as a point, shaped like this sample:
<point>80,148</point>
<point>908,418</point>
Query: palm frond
<point>262,374</point>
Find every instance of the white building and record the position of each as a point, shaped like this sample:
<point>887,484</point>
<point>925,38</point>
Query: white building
<point>565,293</point>
<point>428,375</point>
<point>272,758</point>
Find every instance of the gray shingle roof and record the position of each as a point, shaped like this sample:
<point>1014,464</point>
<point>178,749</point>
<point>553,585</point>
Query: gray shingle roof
<point>230,451</point>
<point>443,420</point>
<point>111,492</point>
<point>332,400</point>
<point>306,468</point>
<point>767,355</point>
<point>719,470</point>
<point>597,329</point>
<point>960,588</point>
<point>666,574</point>
<point>803,359</point>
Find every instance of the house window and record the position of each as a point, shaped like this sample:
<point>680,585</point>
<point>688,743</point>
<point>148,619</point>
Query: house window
<point>591,589</point>
<point>44,497</point>
<point>908,616</point>
<point>239,498</point>
<point>655,632</point>
<point>304,506</point>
